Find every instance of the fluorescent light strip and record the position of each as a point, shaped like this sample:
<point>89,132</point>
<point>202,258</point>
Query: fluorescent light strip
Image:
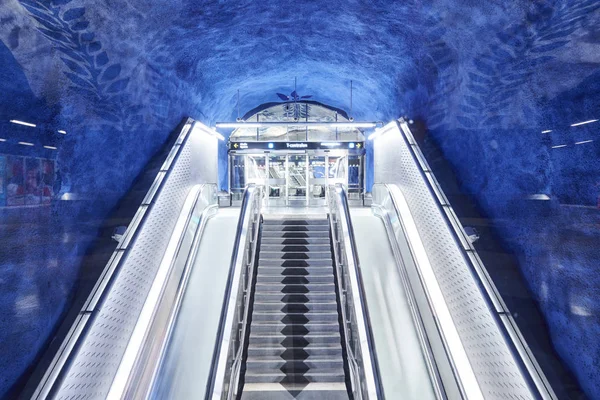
<point>380,131</point>
<point>440,307</point>
<point>136,341</point>
<point>585,122</point>
<point>584,141</point>
<point>559,146</point>
<point>61,131</point>
<point>16,121</point>
<point>2,140</point>
<point>26,144</point>
<point>206,129</point>
<point>292,123</point>
<point>548,131</point>
<point>50,147</point>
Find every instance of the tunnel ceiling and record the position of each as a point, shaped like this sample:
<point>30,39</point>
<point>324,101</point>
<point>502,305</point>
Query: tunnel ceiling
<point>191,57</point>
<point>485,77</point>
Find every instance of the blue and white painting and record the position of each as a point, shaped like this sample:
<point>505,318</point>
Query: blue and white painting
<point>105,83</point>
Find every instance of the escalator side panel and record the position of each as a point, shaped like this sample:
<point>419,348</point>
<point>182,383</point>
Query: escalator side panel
<point>187,363</point>
<point>403,370</point>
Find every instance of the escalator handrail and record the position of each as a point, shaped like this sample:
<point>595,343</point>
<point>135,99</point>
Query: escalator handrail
<point>227,354</point>
<point>528,363</point>
<point>367,373</point>
<point>152,357</point>
<point>459,360</point>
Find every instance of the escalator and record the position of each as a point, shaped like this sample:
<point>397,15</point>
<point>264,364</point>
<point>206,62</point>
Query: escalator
<point>254,302</point>
<point>295,347</point>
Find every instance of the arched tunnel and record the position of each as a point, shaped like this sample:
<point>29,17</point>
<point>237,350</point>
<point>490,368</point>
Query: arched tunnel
<point>502,100</point>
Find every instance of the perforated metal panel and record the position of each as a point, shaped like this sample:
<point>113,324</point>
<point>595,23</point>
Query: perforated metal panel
<point>95,363</point>
<point>497,372</point>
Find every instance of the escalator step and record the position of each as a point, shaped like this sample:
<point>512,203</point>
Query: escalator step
<point>295,279</point>
<point>295,329</point>
<point>267,364</point>
<point>283,352</point>
<point>294,298</point>
<point>296,271</point>
<point>262,339</point>
<point>281,377</point>
<point>296,307</point>
<point>271,317</point>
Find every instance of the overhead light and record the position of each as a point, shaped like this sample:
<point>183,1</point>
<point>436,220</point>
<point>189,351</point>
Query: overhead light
<point>331,144</point>
<point>2,140</point>
<point>200,126</point>
<point>559,146</point>
<point>16,121</point>
<point>236,125</point>
<point>584,142</point>
<point>548,131</point>
<point>380,131</point>
<point>539,196</point>
<point>50,147</point>
<point>61,131</point>
<point>585,122</point>
<point>26,144</point>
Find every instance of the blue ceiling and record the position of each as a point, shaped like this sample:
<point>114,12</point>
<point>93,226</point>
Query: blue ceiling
<point>485,77</point>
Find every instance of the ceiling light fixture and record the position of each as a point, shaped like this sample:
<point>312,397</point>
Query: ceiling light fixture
<point>235,125</point>
<point>26,144</point>
<point>548,131</point>
<point>16,121</point>
<point>584,142</point>
<point>585,122</point>
<point>559,146</point>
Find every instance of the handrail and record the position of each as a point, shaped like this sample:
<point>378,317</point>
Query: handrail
<point>82,324</point>
<point>223,381</point>
<point>152,354</point>
<point>356,327</point>
<point>462,368</point>
<point>511,331</point>
<point>388,220</point>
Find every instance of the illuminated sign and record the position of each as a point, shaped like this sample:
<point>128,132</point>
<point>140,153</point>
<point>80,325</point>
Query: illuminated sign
<point>297,145</point>
<point>351,146</point>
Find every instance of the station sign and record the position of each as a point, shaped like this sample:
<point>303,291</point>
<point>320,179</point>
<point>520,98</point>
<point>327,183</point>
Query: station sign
<point>296,145</point>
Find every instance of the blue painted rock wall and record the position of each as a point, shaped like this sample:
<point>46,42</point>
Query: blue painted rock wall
<point>487,78</point>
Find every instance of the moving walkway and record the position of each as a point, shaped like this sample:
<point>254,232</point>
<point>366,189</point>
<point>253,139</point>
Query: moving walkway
<point>388,301</point>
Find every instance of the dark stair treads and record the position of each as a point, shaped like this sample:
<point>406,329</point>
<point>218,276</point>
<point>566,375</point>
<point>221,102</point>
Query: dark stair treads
<point>301,255</point>
<point>295,228</point>
<point>294,298</point>
<point>295,346</point>
<point>295,241</point>
<point>295,279</point>
<point>294,263</point>
<point>295,329</point>
<point>295,318</point>
<point>336,375</point>
<point>312,350</point>
<point>294,270</point>
<point>262,339</point>
<point>301,222</point>
<point>302,248</point>
<point>296,307</point>
<point>288,288</point>
<point>295,234</point>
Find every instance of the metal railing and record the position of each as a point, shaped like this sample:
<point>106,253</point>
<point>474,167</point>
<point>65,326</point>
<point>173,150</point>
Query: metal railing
<point>358,341</point>
<point>385,207</point>
<point>223,383</point>
<point>170,286</point>
<point>510,329</point>
<point>76,366</point>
